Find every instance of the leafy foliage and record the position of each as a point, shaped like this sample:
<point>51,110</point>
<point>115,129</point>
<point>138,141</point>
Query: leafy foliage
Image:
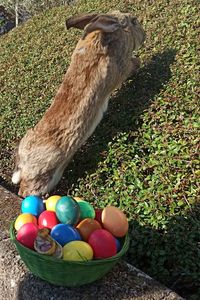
<point>30,7</point>
<point>144,155</point>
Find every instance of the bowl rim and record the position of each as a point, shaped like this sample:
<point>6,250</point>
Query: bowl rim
<point>60,260</point>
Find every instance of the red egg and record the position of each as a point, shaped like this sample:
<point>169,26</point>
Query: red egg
<point>86,227</point>
<point>98,213</point>
<point>103,243</point>
<point>47,219</point>
<point>27,235</point>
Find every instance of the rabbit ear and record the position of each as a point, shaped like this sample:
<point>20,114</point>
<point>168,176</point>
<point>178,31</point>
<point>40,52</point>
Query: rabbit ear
<point>104,23</point>
<point>80,22</point>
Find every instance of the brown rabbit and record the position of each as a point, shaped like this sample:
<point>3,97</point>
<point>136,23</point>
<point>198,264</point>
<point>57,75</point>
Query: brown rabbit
<point>101,61</point>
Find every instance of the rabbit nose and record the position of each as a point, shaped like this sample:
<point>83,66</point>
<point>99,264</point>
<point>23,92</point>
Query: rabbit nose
<point>22,193</point>
<point>23,190</point>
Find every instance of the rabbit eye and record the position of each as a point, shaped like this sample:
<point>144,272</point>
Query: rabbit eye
<point>134,21</point>
<point>124,22</point>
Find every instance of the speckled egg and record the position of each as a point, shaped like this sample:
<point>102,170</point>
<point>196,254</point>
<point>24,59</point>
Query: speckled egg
<point>67,210</point>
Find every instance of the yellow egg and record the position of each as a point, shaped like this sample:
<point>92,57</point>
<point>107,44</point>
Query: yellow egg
<point>23,219</point>
<point>51,202</point>
<point>115,221</point>
<point>77,251</point>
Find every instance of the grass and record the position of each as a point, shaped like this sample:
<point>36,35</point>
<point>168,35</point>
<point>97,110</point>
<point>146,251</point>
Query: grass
<point>144,157</point>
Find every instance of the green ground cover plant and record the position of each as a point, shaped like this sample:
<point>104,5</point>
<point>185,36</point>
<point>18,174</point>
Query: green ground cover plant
<point>144,156</point>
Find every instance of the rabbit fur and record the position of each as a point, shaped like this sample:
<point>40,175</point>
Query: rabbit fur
<point>100,63</point>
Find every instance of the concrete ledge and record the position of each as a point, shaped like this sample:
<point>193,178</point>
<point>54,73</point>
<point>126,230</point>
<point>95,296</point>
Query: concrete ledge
<point>17,283</point>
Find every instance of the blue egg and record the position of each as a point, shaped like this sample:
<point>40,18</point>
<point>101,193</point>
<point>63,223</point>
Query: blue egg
<point>65,233</point>
<point>33,205</point>
<point>118,244</point>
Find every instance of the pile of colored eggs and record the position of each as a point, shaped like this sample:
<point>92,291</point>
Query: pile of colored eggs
<point>70,228</point>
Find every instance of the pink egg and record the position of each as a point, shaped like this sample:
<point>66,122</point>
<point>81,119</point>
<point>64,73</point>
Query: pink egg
<point>103,243</point>
<point>47,219</point>
<point>27,235</point>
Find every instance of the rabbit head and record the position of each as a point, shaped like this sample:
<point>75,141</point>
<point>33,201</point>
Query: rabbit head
<point>38,165</point>
<point>109,23</point>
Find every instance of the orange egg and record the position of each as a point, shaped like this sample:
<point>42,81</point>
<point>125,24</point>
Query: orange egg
<point>86,227</point>
<point>77,198</point>
<point>115,221</point>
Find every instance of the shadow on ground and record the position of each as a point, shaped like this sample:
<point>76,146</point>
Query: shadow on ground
<point>123,115</point>
<point>120,283</point>
<point>173,255</point>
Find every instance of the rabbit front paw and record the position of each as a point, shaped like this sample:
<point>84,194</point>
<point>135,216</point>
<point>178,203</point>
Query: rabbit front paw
<point>135,61</point>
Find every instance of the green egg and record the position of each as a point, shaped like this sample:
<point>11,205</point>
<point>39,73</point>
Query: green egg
<point>67,210</point>
<point>86,209</point>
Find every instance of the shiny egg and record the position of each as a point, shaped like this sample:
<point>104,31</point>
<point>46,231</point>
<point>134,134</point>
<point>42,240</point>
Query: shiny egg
<point>47,219</point>
<point>64,233</point>
<point>115,221</point>
<point>77,251</point>
<point>51,202</point>
<point>27,234</point>
<point>33,205</point>
<point>103,244</point>
<point>67,210</point>
<point>86,227</point>
<point>23,219</point>
<point>86,209</point>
